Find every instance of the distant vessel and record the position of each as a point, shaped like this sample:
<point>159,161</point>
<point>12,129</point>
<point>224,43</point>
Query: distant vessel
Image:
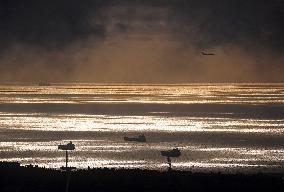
<point>203,53</point>
<point>44,84</point>
<point>171,153</point>
<point>68,146</point>
<point>139,138</point>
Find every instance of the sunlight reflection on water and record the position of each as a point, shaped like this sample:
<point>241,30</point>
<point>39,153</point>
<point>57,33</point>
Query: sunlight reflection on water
<point>224,139</point>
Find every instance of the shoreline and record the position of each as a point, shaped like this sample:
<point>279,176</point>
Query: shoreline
<point>15,177</point>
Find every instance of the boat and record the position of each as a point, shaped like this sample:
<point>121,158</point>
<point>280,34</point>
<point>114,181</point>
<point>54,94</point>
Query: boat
<point>139,138</point>
<point>44,84</point>
<point>171,153</point>
<point>68,146</point>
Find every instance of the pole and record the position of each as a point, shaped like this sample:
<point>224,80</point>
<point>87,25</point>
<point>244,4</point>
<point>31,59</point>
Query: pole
<point>170,163</point>
<point>68,180</point>
<point>66,159</point>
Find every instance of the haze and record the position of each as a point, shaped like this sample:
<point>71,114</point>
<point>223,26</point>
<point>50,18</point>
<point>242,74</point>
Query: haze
<point>152,41</point>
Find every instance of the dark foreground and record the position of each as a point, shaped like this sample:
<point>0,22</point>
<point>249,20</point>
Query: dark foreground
<point>17,178</point>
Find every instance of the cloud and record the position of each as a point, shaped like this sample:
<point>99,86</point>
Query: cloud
<point>151,41</point>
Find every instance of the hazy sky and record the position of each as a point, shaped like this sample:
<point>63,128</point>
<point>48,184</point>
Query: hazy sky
<point>142,41</point>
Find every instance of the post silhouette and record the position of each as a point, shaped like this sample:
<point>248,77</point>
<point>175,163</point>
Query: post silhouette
<point>170,163</point>
<point>69,146</point>
<point>171,153</point>
<point>66,158</point>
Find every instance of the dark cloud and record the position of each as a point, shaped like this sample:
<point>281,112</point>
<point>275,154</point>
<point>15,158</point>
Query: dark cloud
<point>204,22</point>
<point>141,41</point>
<point>250,24</point>
<point>48,23</point>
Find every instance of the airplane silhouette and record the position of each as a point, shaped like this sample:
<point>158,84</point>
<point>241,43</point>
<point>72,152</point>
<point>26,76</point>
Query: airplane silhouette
<point>203,53</point>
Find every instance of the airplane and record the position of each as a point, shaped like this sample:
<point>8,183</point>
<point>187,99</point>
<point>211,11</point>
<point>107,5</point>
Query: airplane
<point>171,153</point>
<point>203,53</point>
<point>68,146</point>
<point>140,138</point>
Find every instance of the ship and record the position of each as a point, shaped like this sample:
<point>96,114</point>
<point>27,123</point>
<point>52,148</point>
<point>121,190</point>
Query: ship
<point>44,84</point>
<point>139,138</point>
<point>68,146</point>
<point>171,153</point>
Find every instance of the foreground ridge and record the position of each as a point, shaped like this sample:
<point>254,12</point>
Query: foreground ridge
<point>14,177</point>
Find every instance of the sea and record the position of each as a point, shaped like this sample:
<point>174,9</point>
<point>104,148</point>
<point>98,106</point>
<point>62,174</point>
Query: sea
<point>217,127</point>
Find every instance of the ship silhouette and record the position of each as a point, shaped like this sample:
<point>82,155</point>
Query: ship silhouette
<point>139,138</point>
<point>171,153</point>
<point>43,83</point>
<point>68,146</point>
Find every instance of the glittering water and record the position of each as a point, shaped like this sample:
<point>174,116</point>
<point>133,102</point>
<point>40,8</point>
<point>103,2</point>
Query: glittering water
<point>223,127</point>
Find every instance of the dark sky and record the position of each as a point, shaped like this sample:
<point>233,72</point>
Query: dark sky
<point>135,41</point>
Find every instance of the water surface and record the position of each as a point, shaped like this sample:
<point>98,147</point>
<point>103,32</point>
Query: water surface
<point>219,127</point>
